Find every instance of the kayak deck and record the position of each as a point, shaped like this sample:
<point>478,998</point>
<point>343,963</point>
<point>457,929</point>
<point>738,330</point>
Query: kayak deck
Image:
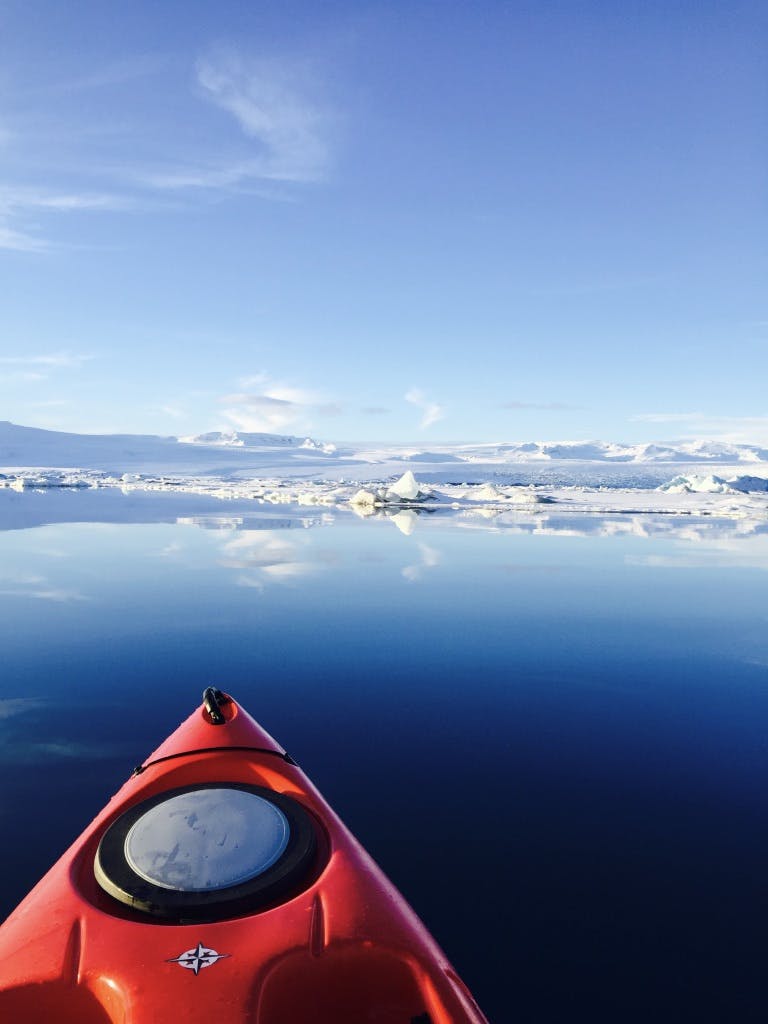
<point>204,923</point>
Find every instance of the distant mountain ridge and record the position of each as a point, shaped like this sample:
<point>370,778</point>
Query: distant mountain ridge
<point>239,439</point>
<point>229,452</point>
<point>117,453</point>
<point>601,451</point>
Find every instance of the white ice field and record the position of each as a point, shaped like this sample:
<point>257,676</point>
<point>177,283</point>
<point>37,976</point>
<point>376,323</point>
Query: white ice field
<point>479,481</point>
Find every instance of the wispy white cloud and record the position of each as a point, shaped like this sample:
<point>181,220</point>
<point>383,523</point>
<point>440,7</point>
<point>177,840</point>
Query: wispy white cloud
<point>253,380</point>
<point>667,417</point>
<point>21,197</point>
<point>329,409</point>
<point>202,175</point>
<point>432,412</point>
<point>20,241</point>
<point>261,413</point>
<point>732,429</point>
<point>281,137</point>
<point>274,102</point>
<point>275,406</point>
<point>269,100</point>
<point>546,406</point>
<point>33,368</point>
<point>22,377</point>
<point>117,72</point>
<point>18,201</point>
<point>174,411</point>
<point>48,360</point>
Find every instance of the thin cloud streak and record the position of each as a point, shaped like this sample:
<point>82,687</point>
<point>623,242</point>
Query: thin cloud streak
<point>732,429</point>
<point>16,201</point>
<point>55,359</point>
<point>546,406</point>
<point>119,72</point>
<point>265,97</point>
<point>432,412</point>
<point>275,407</point>
<point>18,241</point>
<point>284,142</point>
<point>16,198</point>
<point>268,100</point>
<point>258,401</point>
<point>667,417</point>
<point>25,376</point>
<point>201,177</point>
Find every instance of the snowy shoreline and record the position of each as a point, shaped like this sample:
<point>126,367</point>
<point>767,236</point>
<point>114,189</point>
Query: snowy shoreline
<point>697,478</point>
<point>691,495</point>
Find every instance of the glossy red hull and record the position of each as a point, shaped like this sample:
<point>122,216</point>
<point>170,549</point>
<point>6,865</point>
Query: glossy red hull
<point>342,947</point>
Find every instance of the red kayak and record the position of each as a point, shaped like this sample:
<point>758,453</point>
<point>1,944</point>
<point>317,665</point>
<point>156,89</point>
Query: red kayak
<point>218,885</point>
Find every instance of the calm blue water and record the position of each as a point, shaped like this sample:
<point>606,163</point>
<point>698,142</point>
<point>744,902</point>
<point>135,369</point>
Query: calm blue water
<point>552,734</point>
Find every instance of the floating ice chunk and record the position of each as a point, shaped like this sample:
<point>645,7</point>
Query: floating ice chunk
<point>364,498</point>
<point>279,497</point>
<point>316,498</point>
<point>693,484</point>
<point>528,496</point>
<point>405,489</point>
<point>488,492</point>
<point>711,484</point>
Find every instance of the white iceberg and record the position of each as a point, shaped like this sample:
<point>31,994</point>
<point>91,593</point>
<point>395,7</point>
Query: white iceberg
<point>406,489</point>
<point>692,484</point>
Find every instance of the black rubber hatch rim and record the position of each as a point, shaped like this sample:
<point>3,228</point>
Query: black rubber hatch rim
<point>282,880</point>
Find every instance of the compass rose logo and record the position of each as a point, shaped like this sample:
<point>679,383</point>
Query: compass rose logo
<point>198,958</point>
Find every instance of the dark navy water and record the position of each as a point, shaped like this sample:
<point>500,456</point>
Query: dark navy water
<point>551,733</point>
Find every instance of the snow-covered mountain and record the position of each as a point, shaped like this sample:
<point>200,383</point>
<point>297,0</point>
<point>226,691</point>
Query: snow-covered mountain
<point>220,452</point>
<point>240,439</point>
<point>228,453</point>
<point>601,451</point>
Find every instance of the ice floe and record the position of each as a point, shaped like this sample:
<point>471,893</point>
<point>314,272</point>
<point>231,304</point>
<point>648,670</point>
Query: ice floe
<point>711,484</point>
<point>485,481</point>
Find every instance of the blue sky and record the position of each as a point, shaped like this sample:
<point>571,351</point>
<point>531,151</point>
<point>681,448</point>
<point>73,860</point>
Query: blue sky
<point>414,222</point>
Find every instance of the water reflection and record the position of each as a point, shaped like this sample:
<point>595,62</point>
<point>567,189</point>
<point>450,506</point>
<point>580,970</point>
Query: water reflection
<point>592,685</point>
<point>38,587</point>
<point>17,705</point>
<point>28,510</point>
<point>264,557</point>
<point>430,557</point>
<point>30,734</point>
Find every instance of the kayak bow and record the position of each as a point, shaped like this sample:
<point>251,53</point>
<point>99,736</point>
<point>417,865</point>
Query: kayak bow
<point>218,885</point>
